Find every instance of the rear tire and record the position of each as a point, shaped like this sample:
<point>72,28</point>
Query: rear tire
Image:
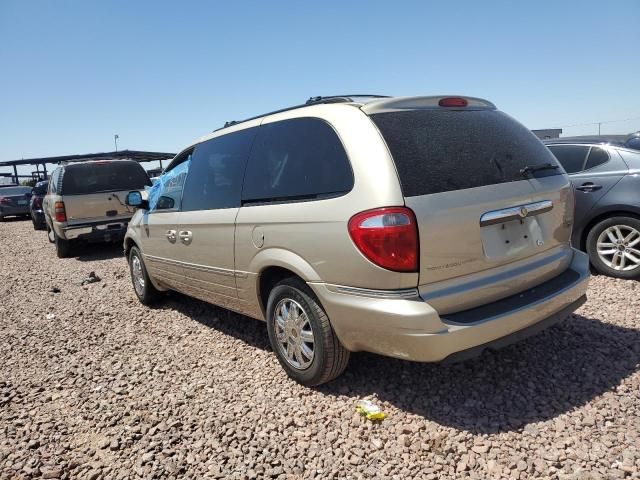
<point>63,247</point>
<point>142,286</point>
<point>613,246</point>
<point>301,334</point>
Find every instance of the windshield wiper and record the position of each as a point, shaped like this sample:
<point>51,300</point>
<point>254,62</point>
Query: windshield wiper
<point>536,168</point>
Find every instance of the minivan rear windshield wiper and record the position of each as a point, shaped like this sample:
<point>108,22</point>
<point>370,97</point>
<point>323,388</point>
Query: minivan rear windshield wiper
<point>536,168</point>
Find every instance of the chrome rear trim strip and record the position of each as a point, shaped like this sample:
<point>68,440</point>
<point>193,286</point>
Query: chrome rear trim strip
<point>515,213</point>
<point>406,293</point>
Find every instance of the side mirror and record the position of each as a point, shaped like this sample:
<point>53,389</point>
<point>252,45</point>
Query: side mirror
<point>165,203</point>
<point>134,199</point>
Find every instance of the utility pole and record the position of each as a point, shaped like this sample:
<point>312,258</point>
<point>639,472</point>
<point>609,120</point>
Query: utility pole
<point>599,123</point>
<point>115,140</point>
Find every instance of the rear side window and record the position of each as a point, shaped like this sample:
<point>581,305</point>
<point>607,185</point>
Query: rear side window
<point>443,150</point>
<point>217,168</point>
<point>571,157</point>
<point>597,156</point>
<point>54,183</point>
<point>296,159</point>
<point>96,177</point>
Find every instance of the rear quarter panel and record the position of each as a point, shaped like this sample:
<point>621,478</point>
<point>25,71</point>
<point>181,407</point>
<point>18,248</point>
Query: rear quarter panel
<point>311,238</point>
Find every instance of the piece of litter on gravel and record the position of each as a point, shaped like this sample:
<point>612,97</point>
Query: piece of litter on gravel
<point>54,290</point>
<point>368,409</point>
<point>92,278</point>
<point>50,316</point>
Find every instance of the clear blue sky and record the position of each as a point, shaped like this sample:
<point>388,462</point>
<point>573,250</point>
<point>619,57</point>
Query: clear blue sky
<point>160,73</point>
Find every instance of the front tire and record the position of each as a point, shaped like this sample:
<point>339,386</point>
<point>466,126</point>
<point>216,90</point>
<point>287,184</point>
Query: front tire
<point>142,286</point>
<point>613,246</point>
<point>301,335</point>
<point>51,236</point>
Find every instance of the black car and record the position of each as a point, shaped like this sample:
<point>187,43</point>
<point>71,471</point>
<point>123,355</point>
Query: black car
<point>605,173</point>
<point>37,214</point>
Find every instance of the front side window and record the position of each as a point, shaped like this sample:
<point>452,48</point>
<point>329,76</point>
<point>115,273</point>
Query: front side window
<point>571,157</point>
<point>296,159</point>
<point>215,176</point>
<point>166,193</point>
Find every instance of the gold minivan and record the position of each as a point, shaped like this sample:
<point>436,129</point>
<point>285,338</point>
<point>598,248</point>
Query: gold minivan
<point>422,228</point>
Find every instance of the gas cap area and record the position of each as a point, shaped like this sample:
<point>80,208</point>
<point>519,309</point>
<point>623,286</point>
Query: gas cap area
<point>258,237</point>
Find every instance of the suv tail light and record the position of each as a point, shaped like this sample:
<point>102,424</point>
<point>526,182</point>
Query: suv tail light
<point>5,201</point>
<point>61,214</point>
<point>37,202</point>
<point>388,237</point>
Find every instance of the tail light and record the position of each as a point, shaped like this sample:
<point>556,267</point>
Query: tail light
<point>5,201</point>
<point>61,214</point>
<point>37,202</point>
<point>388,237</point>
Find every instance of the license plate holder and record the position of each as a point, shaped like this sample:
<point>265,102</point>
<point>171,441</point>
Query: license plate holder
<point>511,238</point>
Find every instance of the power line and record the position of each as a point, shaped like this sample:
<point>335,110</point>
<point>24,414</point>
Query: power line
<point>599,123</point>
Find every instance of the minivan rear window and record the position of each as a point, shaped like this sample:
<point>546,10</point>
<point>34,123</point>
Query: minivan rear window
<point>99,177</point>
<point>443,150</point>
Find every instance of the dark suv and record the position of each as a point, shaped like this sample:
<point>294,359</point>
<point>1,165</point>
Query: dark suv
<point>37,213</point>
<point>606,176</point>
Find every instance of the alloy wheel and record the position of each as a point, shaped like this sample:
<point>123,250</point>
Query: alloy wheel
<point>618,247</point>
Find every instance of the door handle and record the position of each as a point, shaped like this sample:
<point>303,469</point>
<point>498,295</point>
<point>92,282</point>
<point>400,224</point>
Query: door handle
<point>589,187</point>
<point>185,236</point>
<point>171,236</point>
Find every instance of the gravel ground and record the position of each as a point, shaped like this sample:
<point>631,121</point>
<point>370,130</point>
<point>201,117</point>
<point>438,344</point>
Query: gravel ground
<point>94,385</point>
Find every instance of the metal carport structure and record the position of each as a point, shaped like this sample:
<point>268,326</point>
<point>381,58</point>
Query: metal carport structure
<point>137,155</point>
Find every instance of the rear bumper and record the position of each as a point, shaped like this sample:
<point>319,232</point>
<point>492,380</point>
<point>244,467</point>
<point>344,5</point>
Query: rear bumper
<point>9,211</point>
<point>411,329</point>
<point>97,232</point>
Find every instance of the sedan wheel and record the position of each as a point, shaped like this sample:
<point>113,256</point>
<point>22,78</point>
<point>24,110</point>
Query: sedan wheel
<point>614,247</point>
<point>618,247</point>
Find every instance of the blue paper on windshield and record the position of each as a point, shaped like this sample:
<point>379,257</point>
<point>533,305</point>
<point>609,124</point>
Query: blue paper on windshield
<point>169,184</point>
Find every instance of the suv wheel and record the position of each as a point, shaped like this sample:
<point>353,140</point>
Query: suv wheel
<point>614,247</point>
<point>145,291</point>
<point>301,335</point>
<point>63,247</point>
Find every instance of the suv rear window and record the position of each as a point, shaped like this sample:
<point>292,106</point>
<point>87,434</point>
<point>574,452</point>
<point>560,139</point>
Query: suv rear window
<point>103,177</point>
<point>443,150</point>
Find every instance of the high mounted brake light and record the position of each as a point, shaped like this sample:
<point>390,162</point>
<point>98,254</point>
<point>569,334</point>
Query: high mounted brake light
<point>388,237</point>
<point>453,102</point>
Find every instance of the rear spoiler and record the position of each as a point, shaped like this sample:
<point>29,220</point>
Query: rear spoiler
<point>450,102</point>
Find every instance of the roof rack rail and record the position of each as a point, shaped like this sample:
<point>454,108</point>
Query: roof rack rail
<point>311,101</point>
<point>341,98</point>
